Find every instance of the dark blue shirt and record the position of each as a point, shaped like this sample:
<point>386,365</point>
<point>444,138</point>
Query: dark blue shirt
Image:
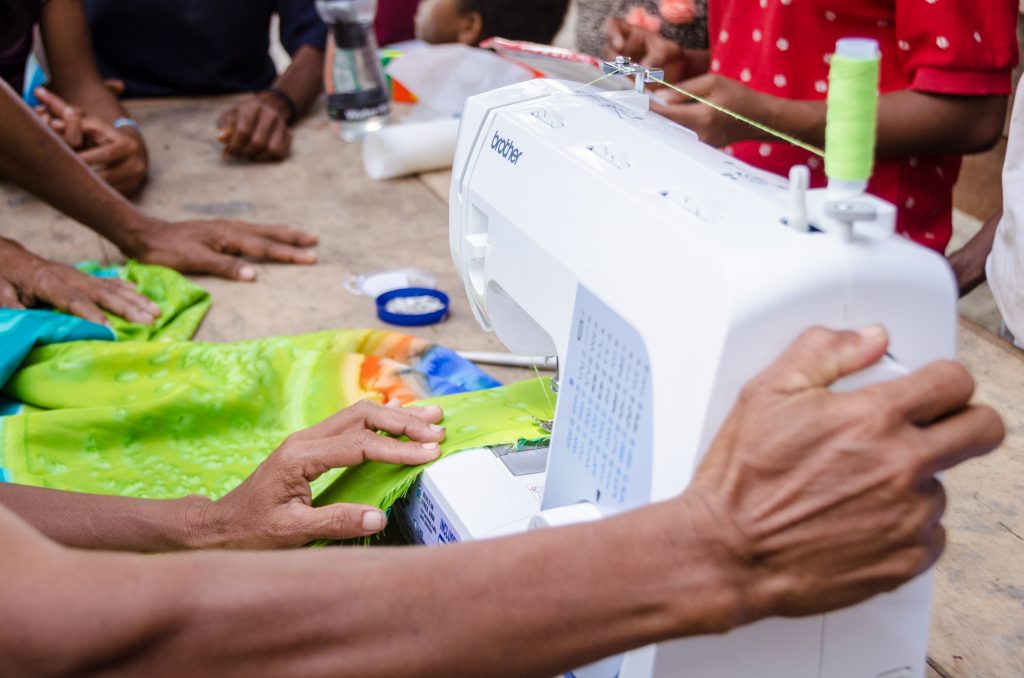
<point>185,47</point>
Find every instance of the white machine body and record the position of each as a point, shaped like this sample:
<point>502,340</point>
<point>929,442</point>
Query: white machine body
<point>664,274</point>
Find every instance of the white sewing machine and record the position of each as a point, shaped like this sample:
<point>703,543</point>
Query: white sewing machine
<point>664,274</point>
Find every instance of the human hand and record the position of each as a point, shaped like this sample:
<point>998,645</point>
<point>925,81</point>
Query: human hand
<point>216,247</point>
<point>712,126</point>
<point>61,117</point>
<point>256,129</point>
<point>27,280</point>
<point>820,500</point>
<point>645,48</point>
<point>273,508</point>
<point>118,156</point>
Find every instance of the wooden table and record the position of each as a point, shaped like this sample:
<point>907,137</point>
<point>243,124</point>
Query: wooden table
<point>978,621</point>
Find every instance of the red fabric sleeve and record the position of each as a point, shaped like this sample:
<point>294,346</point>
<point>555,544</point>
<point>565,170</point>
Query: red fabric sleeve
<point>966,47</point>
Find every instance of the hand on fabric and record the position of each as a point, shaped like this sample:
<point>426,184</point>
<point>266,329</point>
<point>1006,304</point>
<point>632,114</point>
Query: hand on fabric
<point>256,129</point>
<point>821,500</point>
<point>714,127</point>
<point>27,280</point>
<point>216,247</point>
<point>273,507</point>
<point>118,156</point>
<point>647,49</point>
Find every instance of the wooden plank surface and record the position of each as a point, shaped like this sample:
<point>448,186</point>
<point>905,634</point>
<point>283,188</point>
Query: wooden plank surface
<point>978,620</point>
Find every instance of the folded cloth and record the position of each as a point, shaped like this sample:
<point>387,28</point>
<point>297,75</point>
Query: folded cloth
<point>183,306</point>
<point>151,419</point>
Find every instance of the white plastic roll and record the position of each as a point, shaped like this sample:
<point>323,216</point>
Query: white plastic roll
<point>400,150</point>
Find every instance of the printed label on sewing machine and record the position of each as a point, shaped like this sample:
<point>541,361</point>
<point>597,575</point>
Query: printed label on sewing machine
<point>506,148</point>
<point>422,521</point>
<point>600,448</point>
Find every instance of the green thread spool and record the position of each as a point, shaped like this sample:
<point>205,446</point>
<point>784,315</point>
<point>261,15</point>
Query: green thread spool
<point>852,116</point>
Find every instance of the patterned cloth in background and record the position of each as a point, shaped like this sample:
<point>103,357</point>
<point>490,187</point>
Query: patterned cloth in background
<point>593,13</point>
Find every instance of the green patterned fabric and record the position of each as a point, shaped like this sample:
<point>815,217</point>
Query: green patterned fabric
<point>154,415</point>
<point>497,416</point>
<point>183,303</point>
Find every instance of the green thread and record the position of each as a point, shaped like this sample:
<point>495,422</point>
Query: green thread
<point>850,118</point>
<point>742,118</point>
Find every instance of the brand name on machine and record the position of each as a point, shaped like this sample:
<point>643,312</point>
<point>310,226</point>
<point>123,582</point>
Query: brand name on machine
<point>506,149</point>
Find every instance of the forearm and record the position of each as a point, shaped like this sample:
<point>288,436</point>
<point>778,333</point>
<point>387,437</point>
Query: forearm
<point>33,157</point>
<point>75,76</point>
<point>537,604</point>
<point>302,81</point>
<point>91,521</point>
<point>969,261</point>
<point>909,122</point>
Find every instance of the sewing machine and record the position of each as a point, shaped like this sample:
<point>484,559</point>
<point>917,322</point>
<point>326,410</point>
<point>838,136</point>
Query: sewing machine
<point>664,274</point>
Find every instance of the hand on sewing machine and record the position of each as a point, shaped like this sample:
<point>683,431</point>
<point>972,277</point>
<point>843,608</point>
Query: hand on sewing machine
<point>216,246</point>
<point>27,280</point>
<point>273,507</point>
<point>820,500</point>
<point>651,49</point>
<point>713,127</point>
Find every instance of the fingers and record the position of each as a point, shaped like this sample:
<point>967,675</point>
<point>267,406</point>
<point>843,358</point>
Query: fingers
<point>266,248</point>
<point>353,447</point>
<point>9,295</point>
<point>344,521</point>
<point>86,308</point>
<point>973,432</point>
<point>128,304</point>
<point>416,423</point>
<point>820,357</point>
<point>115,86</point>
<point>289,236</point>
<point>59,108</point>
<point>266,123</point>
<point>226,125</point>
<point>278,145</point>
<point>931,392</point>
<point>245,124</point>
<point>221,265</point>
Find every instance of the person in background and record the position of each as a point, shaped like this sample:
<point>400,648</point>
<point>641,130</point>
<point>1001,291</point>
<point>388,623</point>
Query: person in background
<point>33,157</point>
<point>996,252</point>
<point>77,104</point>
<point>781,519</point>
<point>472,21</point>
<point>685,23</point>
<point>198,47</point>
<point>945,76</point>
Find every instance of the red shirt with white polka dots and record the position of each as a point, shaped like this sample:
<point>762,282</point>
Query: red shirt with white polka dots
<point>783,47</point>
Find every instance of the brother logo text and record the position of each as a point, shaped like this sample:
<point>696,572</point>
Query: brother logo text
<point>506,149</point>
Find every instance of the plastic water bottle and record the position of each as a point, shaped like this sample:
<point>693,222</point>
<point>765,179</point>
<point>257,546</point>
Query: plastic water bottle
<point>358,97</point>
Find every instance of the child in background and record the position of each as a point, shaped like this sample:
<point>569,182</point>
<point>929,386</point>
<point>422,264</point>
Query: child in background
<point>945,76</point>
<point>472,21</point>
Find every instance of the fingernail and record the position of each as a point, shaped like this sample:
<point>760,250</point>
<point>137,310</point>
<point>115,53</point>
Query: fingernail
<point>247,273</point>
<point>432,410</point>
<point>431,447</point>
<point>374,521</point>
<point>872,332</point>
<point>394,402</point>
<point>435,427</point>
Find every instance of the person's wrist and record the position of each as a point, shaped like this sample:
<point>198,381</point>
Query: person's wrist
<point>202,525</point>
<point>134,233</point>
<point>281,101</point>
<point>708,548</point>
